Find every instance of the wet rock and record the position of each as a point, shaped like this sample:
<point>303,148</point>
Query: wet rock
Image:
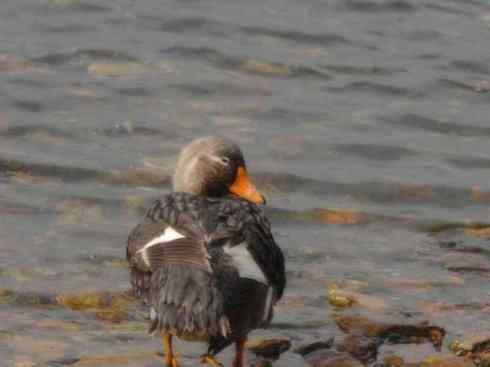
<point>338,298</point>
<point>470,262</point>
<point>269,348</point>
<point>331,358</point>
<point>311,347</point>
<point>362,348</point>
<point>399,333</point>
<point>343,298</point>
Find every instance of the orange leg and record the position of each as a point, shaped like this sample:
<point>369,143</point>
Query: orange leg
<point>170,358</point>
<point>239,346</point>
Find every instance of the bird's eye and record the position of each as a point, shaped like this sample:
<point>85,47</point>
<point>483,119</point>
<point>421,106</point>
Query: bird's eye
<point>225,161</point>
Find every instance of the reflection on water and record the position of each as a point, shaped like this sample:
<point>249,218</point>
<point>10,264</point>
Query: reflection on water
<point>364,122</point>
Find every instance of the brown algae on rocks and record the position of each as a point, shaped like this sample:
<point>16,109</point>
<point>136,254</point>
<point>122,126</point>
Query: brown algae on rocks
<point>106,306</point>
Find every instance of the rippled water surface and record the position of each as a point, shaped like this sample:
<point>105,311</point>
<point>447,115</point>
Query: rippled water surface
<point>365,123</point>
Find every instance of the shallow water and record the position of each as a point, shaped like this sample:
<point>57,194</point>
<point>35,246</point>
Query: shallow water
<point>375,110</point>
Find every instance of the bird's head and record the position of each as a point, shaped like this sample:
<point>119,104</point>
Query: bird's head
<point>214,166</point>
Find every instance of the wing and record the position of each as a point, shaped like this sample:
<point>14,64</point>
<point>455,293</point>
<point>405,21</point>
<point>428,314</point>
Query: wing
<point>170,268</point>
<point>169,233</point>
<point>251,246</point>
<point>265,250</point>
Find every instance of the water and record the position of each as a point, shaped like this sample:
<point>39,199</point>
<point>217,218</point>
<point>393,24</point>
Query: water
<point>376,110</point>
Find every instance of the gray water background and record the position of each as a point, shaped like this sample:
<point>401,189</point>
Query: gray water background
<point>375,107</point>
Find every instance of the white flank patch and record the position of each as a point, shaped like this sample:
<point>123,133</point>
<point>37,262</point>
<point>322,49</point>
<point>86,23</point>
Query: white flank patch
<point>168,235</point>
<point>153,314</point>
<point>268,301</point>
<point>245,263</point>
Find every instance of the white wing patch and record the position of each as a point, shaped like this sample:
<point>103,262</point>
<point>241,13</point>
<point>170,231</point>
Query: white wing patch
<point>245,263</point>
<point>168,235</point>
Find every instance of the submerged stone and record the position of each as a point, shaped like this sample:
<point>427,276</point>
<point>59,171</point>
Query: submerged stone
<point>470,262</point>
<point>265,68</point>
<point>395,333</point>
<point>118,69</point>
<point>269,348</point>
<point>362,348</point>
<point>339,216</point>
<point>446,361</point>
<point>472,346</point>
<point>311,347</point>
<point>107,307</point>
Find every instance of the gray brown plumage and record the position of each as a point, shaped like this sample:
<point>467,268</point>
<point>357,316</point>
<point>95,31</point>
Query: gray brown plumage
<point>204,259</point>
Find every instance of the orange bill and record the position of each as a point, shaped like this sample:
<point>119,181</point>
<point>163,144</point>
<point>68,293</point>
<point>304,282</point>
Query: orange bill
<point>244,188</point>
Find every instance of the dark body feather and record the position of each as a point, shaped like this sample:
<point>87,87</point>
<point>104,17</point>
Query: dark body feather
<point>193,284</point>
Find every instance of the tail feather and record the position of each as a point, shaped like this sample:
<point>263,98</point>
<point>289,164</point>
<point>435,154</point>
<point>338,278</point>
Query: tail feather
<point>186,302</point>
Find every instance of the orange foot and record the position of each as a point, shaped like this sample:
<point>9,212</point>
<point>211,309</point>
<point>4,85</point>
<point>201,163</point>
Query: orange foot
<point>210,360</point>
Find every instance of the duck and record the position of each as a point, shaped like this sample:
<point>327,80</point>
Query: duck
<point>204,259</point>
